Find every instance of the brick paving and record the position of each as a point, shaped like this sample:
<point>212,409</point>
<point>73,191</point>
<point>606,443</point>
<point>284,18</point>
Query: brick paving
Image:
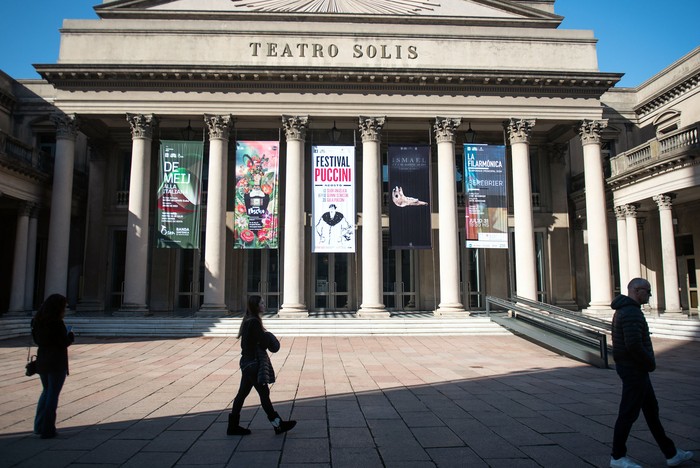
<point>471,401</point>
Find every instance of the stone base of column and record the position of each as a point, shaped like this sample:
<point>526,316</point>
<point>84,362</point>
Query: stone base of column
<point>18,313</point>
<point>373,312</point>
<point>132,310</point>
<point>294,311</point>
<point>674,314</point>
<point>451,310</point>
<point>212,310</point>
<point>599,311</point>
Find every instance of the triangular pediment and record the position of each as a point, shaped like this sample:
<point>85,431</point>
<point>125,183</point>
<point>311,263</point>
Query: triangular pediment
<point>465,10</point>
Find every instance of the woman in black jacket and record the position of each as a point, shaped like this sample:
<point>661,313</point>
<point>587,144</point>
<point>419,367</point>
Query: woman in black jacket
<point>52,338</point>
<point>256,369</point>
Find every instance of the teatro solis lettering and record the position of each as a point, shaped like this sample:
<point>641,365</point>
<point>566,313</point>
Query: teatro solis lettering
<point>332,169</point>
<point>316,50</point>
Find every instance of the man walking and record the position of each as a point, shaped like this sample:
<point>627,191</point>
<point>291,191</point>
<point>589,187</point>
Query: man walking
<point>634,359</point>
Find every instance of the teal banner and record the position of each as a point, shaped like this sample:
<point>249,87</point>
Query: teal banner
<point>179,194</point>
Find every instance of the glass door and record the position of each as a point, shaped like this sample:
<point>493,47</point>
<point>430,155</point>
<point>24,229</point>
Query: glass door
<point>190,280</point>
<point>332,281</point>
<point>400,286</point>
<point>263,276</point>
<point>117,268</point>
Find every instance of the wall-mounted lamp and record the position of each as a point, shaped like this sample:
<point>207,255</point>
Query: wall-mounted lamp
<point>188,131</point>
<point>334,133</point>
<point>470,135</point>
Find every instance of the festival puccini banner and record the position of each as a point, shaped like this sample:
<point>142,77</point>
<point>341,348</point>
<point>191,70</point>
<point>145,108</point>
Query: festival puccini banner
<point>179,194</point>
<point>487,209</point>
<point>257,195</point>
<point>409,211</point>
<point>333,175</point>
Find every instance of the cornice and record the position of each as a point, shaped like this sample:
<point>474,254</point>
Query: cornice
<point>335,80</point>
<point>671,94</point>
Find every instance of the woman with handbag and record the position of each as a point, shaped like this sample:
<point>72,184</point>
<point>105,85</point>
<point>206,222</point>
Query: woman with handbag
<point>256,369</point>
<point>52,339</point>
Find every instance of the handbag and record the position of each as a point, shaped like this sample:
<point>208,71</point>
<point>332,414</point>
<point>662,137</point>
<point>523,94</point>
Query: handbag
<point>30,368</point>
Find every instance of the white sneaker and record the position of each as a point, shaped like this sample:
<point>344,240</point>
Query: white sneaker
<point>624,462</point>
<point>680,457</point>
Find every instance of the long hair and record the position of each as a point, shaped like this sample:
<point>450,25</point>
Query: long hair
<point>252,312</point>
<point>52,309</point>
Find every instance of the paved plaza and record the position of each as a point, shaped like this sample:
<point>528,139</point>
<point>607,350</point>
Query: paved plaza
<point>365,402</point>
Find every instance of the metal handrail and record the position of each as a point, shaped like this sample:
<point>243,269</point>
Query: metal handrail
<point>552,309</point>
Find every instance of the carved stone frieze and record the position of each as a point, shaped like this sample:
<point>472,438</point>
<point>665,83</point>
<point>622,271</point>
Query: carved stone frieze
<point>519,130</point>
<point>142,126</point>
<point>219,126</point>
<point>445,128</point>
<point>371,128</point>
<point>295,126</point>
<point>66,125</point>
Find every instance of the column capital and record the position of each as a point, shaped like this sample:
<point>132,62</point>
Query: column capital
<point>557,153</point>
<point>620,212</point>
<point>371,128</point>
<point>219,126</point>
<point>630,210</point>
<point>295,126</point>
<point>27,208</point>
<point>664,200</point>
<point>66,125</point>
<point>590,130</point>
<point>519,130</point>
<point>142,125</point>
<point>445,128</point>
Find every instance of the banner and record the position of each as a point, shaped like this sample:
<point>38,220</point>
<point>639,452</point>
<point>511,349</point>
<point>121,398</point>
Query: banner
<point>179,194</point>
<point>487,203</point>
<point>257,195</point>
<point>333,211</point>
<point>409,211</point>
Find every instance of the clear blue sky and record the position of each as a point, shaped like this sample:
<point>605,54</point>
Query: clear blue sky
<point>636,37</point>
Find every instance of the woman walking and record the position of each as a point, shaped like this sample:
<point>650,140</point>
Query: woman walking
<point>256,369</point>
<point>52,339</point>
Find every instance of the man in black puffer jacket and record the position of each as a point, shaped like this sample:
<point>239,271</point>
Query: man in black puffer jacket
<point>634,360</point>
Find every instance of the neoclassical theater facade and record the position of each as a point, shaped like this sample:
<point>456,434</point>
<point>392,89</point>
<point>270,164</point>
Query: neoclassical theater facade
<point>602,181</point>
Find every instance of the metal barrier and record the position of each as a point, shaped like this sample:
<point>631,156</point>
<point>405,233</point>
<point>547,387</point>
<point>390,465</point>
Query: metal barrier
<point>552,331</point>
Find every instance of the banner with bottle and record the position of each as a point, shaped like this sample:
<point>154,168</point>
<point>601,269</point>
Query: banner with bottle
<point>333,210</point>
<point>409,187</point>
<point>179,193</point>
<point>487,201</point>
<point>256,204</point>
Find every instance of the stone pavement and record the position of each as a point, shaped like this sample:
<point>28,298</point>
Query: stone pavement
<point>360,401</point>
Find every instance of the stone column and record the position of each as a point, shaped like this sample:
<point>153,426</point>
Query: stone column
<point>137,235</point>
<point>596,217</point>
<point>634,268</point>
<point>448,234</point>
<point>623,260</point>
<point>215,233</point>
<point>94,263</point>
<point>372,280</point>
<point>19,263</point>
<point>293,305</point>
<point>519,132</point>
<point>31,259</point>
<point>61,199</point>
<point>668,253</point>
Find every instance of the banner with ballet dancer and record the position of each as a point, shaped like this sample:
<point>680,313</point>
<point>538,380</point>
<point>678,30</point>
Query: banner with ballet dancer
<point>487,201</point>
<point>256,200</point>
<point>179,194</point>
<point>333,204</point>
<point>409,209</point>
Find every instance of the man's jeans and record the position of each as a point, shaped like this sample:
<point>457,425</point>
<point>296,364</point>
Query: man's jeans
<point>638,394</point>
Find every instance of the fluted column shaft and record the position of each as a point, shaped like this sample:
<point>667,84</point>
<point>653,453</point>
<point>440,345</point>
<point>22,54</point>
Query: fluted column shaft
<point>668,253</point>
<point>61,199</point>
<point>137,235</point>
<point>634,268</point>
<point>596,216</point>
<point>623,260</point>
<point>293,305</point>
<point>19,264</point>
<point>215,233</point>
<point>372,294</point>
<point>519,132</point>
<point>448,235</point>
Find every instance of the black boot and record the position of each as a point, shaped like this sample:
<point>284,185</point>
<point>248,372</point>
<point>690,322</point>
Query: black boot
<point>281,426</point>
<point>233,427</point>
